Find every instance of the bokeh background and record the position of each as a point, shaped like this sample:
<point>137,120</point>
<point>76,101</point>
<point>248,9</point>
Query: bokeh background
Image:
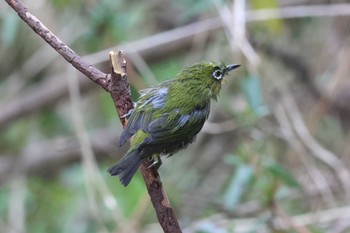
<point>273,157</point>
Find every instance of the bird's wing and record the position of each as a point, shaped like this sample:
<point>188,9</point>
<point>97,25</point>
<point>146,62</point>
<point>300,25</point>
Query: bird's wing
<point>151,100</point>
<point>176,126</point>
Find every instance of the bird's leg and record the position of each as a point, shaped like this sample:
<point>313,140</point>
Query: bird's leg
<point>127,114</point>
<point>156,162</point>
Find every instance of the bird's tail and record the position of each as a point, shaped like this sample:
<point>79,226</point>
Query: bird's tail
<point>126,167</point>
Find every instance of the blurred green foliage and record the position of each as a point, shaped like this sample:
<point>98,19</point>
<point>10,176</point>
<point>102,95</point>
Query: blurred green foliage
<point>274,26</point>
<point>251,88</point>
<point>111,22</point>
<point>237,186</point>
<point>9,28</point>
<point>225,170</point>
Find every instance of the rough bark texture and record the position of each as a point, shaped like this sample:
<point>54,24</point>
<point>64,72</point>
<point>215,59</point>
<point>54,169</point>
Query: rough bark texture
<point>119,86</point>
<point>160,199</point>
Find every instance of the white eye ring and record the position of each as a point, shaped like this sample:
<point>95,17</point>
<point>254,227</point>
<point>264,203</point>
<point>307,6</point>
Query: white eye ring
<point>217,74</point>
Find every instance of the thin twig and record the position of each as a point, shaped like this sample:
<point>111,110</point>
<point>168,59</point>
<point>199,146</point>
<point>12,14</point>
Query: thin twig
<point>326,10</point>
<point>163,43</point>
<point>236,34</point>
<point>219,127</point>
<point>316,176</point>
<point>286,221</point>
<point>313,145</point>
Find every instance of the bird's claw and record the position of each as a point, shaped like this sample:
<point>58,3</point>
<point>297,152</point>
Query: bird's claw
<point>156,162</point>
<point>127,114</point>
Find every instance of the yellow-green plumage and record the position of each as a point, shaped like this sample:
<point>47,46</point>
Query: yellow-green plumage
<point>167,117</point>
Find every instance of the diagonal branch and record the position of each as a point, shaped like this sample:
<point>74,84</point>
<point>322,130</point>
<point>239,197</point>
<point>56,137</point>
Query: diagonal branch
<point>67,53</point>
<point>117,85</point>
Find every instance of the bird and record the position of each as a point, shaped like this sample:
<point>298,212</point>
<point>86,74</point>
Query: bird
<point>167,117</point>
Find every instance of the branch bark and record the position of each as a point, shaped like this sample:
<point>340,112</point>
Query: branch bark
<point>117,85</point>
<point>120,94</point>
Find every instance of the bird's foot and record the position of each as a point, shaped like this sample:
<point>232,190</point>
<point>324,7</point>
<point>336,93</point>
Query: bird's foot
<point>155,163</point>
<point>127,114</point>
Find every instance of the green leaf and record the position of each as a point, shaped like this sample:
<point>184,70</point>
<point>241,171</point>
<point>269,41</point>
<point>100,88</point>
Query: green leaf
<point>128,197</point>
<point>10,28</point>
<point>107,108</point>
<point>281,173</point>
<point>273,25</point>
<point>237,186</point>
<point>51,123</point>
<point>209,227</point>
<point>166,69</point>
<point>252,91</point>
<point>233,160</point>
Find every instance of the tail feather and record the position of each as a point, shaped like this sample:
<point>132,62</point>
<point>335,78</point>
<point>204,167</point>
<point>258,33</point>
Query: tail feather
<point>126,167</point>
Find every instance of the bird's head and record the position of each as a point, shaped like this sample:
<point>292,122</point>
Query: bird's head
<point>209,74</point>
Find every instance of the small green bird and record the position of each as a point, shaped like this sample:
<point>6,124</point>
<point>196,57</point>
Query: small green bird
<point>168,117</point>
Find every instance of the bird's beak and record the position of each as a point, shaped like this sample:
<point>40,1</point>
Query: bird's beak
<point>230,67</point>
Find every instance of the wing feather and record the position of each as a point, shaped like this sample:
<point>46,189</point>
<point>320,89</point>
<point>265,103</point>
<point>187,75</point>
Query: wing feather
<point>151,99</point>
<point>173,126</point>
<point>181,126</point>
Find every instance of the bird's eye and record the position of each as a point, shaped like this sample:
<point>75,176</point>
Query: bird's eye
<point>217,74</point>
